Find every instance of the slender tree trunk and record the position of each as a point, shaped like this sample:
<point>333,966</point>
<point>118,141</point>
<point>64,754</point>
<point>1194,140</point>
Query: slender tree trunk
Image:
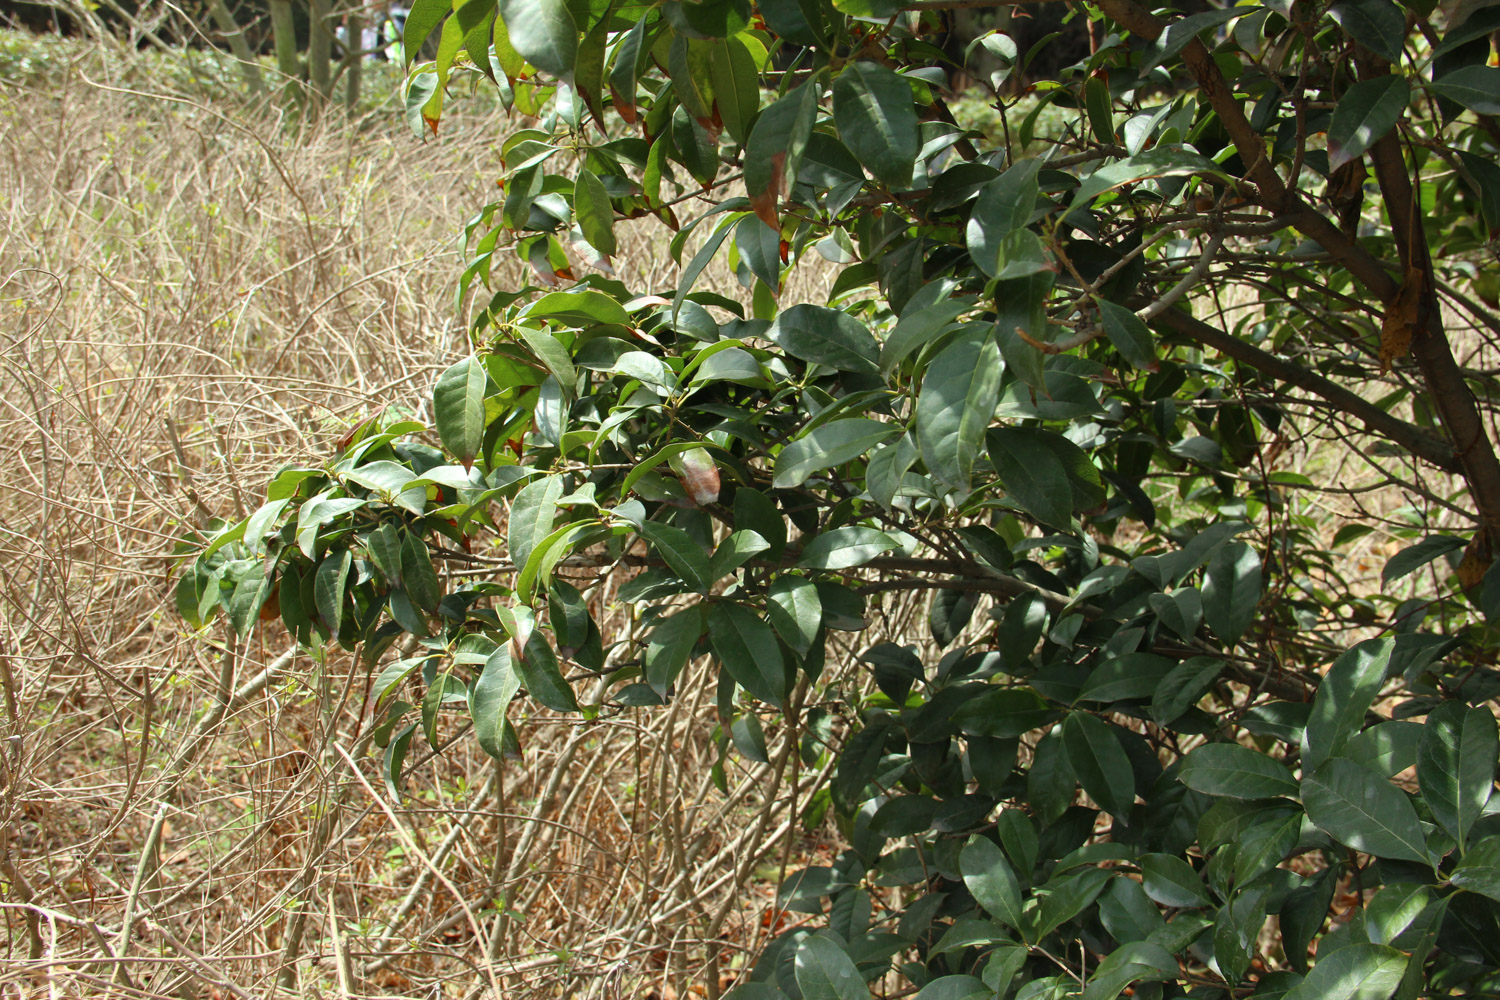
<point>354,57</point>
<point>235,36</point>
<point>320,50</point>
<point>288,63</point>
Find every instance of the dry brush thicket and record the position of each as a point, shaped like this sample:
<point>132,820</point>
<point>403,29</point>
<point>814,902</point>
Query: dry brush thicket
<point>193,296</point>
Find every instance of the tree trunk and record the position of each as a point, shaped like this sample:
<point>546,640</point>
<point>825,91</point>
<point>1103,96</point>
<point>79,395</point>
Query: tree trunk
<point>354,57</point>
<point>288,64</point>
<point>235,36</point>
<point>320,50</point>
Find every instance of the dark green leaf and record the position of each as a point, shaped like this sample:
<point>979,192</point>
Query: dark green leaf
<point>1231,770</point>
<point>747,647</point>
<point>1362,810</point>
<point>1378,25</point>
<point>1097,758</point>
<point>1005,206</point>
<point>1456,765</point>
<point>544,32</point>
<point>1414,557</point>
<point>1171,881</point>
<point>957,401</point>
<point>1355,972</point>
<point>1129,334</point>
<point>1339,706</point>
<point>829,445</point>
<point>825,972</point>
<point>671,642</point>
<point>542,676</point>
<point>531,516</point>
<point>1367,112</point>
<point>827,337</point>
<point>1231,590</point>
<point>991,880</point>
<point>795,610</point>
<point>1032,474</point>
<point>681,553</point>
<point>845,548</point>
<point>873,110</point>
<point>1475,87</point>
<point>458,409</point>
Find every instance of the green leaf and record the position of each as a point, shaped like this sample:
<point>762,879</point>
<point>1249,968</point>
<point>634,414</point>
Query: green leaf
<point>1132,962</point>
<point>747,647</point>
<point>421,21</point>
<point>760,248</point>
<point>1182,687</point>
<point>1003,713</point>
<point>1231,590</point>
<point>872,107</point>
<point>1129,334</point>
<point>774,150</point>
<point>959,392</point>
<point>595,214</point>
<point>1378,25</point>
<point>551,353</point>
<point>1004,206</point>
<point>1181,32</point>
<point>531,516</point>
<point>736,83</point>
<point>1171,881</point>
<point>1475,87</point>
<point>1339,705</point>
<point>543,678</point>
<point>829,445</point>
<point>1032,474</point>
<point>795,611</point>
<point>1414,557</point>
<point>544,32</point>
<point>670,646</point>
<point>992,881</point>
<point>395,757</point>
<point>1456,765</point>
<point>1354,972</point>
<point>825,972</point>
<point>1131,676</point>
<point>1231,770</point>
<point>329,583</point>
<point>681,553</point>
<point>845,548</point>
<point>490,697</point>
<point>826,337</point>
<point>1479,871</point>
<point>458,409</point>
<point>1158,162</point>
<point>1097,758</point>
<point>1362,810</point>
<point>1366,113</point>
<point>737,548</point>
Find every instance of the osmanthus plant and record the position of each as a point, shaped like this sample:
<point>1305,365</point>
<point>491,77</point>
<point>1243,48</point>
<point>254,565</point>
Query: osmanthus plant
<point>1058,378</point>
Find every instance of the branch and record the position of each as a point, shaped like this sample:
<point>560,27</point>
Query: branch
<point>1430,349</point>
<point>1273,194</point>
<point>1414,439</point>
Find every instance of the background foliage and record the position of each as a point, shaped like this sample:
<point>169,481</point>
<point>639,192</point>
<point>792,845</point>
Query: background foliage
<point>1053,386</point>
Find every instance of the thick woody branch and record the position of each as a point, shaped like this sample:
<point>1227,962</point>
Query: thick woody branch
<point>1272,192</point>
<point>1414,439</point>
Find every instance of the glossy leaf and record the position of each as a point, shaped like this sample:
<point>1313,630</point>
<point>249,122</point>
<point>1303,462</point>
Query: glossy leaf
<point>1366,113</point>
<point>1361,809</point>
<point>876,119</point>
<point>1456,765</point>
<point>955,406</point>
<point>1355,972</point>
<point>1096,757</point>
<point>829,445</point>
<point>748,650</point>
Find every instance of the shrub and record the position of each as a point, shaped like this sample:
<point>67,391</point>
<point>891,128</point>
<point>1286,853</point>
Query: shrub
<point>1128,404</point>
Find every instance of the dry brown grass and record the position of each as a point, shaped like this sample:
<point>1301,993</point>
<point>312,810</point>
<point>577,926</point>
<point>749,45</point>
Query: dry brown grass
<point>193,297</point>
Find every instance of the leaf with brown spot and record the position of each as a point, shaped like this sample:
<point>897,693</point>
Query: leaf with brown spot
<point>1401,319</point>
<point>1476,561</point>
